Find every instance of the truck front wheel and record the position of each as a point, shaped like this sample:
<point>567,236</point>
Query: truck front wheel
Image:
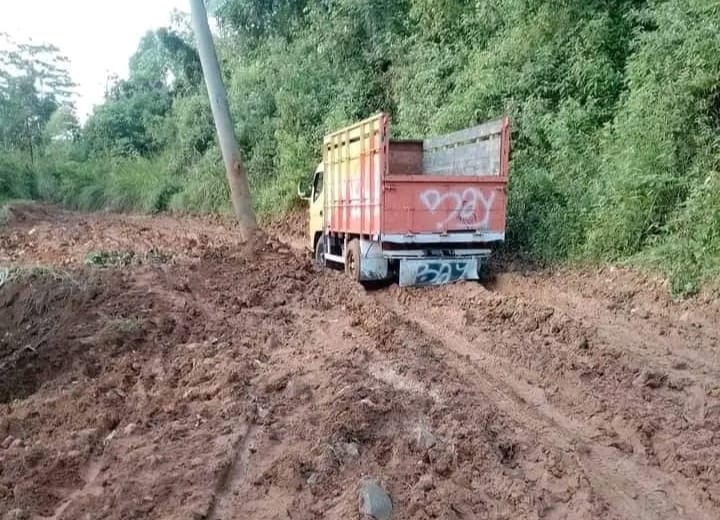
<point>352,259</point>
<point>320,252</point>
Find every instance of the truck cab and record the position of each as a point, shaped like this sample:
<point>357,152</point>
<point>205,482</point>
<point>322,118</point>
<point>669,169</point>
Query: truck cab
<point>313,193</point>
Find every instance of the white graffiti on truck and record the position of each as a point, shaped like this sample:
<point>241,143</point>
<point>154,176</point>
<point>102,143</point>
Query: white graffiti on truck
<point>355,201</point>
<point>360,197</point>
<point>471,207</point>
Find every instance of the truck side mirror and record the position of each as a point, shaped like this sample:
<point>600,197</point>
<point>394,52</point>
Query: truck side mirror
<point>304,190</point>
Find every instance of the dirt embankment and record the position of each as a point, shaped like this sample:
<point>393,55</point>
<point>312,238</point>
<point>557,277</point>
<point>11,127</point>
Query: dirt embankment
<point>158,368</point>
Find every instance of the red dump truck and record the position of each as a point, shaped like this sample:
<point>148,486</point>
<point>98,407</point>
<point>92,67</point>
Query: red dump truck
<point>425,211</point>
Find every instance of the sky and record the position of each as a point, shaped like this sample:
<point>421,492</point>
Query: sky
<point>98,36</point>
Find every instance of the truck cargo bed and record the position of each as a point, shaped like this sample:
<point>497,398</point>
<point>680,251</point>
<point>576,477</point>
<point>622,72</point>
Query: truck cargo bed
<point>427,209</point>
<point>452,184</point>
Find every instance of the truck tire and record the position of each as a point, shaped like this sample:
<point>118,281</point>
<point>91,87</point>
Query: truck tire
<point>352,259</point>
<point>320,252</point>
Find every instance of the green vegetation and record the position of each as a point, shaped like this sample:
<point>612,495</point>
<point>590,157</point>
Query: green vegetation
<point>25,274</point>
<point>615,106</point>
<point>125,258</point>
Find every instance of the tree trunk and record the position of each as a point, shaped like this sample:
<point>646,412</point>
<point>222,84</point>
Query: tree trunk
<point>239,188</point>
<point>30,141</point>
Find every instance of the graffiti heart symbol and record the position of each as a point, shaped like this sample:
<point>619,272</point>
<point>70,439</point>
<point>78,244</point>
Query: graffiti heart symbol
<point>464,206</point>
<point>431,199</point>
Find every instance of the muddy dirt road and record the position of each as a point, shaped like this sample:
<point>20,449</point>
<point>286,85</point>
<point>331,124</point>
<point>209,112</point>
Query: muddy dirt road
<point>157,368</point>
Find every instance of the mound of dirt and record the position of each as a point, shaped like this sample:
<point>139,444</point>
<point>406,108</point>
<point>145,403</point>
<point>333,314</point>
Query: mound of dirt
<point>136,379</point>
<point>26,212</point>
<point>292,224</point>
<point>64,239</point>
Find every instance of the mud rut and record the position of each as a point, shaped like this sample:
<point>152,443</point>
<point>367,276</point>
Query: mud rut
<point>237,381</point>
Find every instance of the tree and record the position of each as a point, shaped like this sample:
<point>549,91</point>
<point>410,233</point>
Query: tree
<point>137,116</point>
<point>256,21</point>
<point>34,83</point>
<point>63,125</point>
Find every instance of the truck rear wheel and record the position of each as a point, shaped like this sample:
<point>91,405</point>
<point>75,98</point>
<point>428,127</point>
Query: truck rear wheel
<point>352,259</point>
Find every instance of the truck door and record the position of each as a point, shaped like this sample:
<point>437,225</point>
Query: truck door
<point>316,208</point>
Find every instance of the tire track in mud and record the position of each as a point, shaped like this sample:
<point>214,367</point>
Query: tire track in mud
<point>630,488</point>
<point>221,505</point>
<point>91,487</point>
<point>636,481</point>
<point>643,328</point>
<point>522,479</point>
<point>633,378</point>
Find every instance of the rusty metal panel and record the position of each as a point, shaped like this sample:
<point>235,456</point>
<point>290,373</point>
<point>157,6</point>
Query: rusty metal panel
<point>473,151</point>
<point>405,157</point>
<point>466,135</point>
<point>437,204</point>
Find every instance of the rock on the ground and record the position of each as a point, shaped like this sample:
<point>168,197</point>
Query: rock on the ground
<point>296,387</point>
<point>7,442</point>
<point>110,437</point>
<point>313,479</point>
<point>425,483</point>
<point>650,378</point>
<point>680,365</point>
<point>351,450</point>
<point>582,343</point>
<point>374,500</point>
<point>87,436</point>
<point>423,438</point>
<point>16,514</point>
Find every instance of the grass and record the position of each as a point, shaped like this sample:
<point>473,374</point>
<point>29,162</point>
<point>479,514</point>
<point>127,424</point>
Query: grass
<point>124,326</point>
<point>17,177</point>
<point>5,213</point>
<point>124,258</point>
<point>109,258</point>
<point>26,274</point>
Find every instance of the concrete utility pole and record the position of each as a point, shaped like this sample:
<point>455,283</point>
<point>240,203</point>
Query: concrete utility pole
<point>239,189</point>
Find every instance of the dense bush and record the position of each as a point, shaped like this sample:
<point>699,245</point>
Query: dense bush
<point>615,107</point>
<point>17,178</point>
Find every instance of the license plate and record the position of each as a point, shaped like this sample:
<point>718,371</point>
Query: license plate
<point>434,271</point>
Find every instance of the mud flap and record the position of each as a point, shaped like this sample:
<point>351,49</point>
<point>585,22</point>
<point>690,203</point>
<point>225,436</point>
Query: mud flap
<point>373,265</point>
<point>437,271</point>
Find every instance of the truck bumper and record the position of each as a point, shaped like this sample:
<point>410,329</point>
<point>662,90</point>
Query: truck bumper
<point>438,271</point>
